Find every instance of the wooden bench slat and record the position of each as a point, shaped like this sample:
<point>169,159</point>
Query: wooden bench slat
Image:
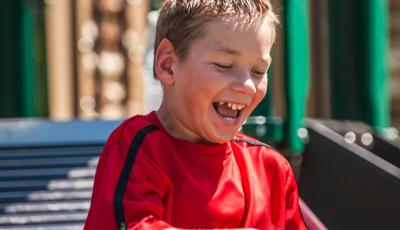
<point>58,184</point>
<point>19,196</point>
<point>49,152</point>
<point>34,207</point>
<point>65,226</point>
<point>47,162</point>
<point>51,217</point>
<point>51,173</point>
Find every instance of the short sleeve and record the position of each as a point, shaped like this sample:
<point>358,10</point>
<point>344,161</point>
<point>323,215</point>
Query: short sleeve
<point>142,198</point>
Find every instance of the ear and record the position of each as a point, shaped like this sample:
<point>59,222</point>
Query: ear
<point>164,62</point>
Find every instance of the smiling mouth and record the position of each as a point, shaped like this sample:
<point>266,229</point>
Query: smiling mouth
<point>229,111</point>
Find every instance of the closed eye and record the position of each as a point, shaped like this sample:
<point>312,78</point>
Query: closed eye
<point>260,74</point>
<point>222,66</point>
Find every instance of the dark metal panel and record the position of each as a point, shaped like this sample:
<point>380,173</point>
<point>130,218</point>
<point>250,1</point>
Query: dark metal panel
<point>364,136</point>
<point>387,150</point>
<point>347,186</point>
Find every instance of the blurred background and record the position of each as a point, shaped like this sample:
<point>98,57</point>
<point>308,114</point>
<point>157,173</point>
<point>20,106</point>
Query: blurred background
<point>67,59</point>
<point>333,103</point>
<point>88,59</point>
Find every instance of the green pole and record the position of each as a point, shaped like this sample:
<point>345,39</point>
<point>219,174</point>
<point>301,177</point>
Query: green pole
<point>377,74</point>
<point>358,55</point>
<point>28,64</point>
<point>23,88</point>
<point>296,69</point>
<point>40,59</point>
<point>33,76</point>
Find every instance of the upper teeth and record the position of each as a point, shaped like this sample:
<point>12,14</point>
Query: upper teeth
<point>233,106</point>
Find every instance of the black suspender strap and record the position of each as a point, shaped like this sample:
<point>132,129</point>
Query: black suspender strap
<point>124,177</point>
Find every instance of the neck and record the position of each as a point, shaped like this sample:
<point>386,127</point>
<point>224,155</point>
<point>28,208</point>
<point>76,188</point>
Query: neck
<point>174,126</point>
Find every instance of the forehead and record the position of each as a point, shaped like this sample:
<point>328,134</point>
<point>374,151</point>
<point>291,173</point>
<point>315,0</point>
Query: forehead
<point>237,38</point>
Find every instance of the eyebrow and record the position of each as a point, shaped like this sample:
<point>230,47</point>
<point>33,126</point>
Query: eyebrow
<point>224,49</point>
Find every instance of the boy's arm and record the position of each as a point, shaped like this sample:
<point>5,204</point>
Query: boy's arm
<point>142,207</point>
<point>293,218</point>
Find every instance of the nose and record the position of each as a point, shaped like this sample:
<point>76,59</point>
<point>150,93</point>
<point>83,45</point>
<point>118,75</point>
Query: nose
<point>244,83</point>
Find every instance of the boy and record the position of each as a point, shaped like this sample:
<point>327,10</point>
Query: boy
<point>186,165</point>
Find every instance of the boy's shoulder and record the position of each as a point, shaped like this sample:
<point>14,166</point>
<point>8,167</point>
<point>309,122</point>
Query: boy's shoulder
<point>258,149</point>
<point>139,125</point>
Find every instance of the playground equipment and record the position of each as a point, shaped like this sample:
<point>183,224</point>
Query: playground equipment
<point>348,172</point>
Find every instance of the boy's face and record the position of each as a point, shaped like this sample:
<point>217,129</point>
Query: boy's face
<point>219,83</point>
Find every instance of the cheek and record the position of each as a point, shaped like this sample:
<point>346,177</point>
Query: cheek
<point>196,93</point>
<point>206,85</point>
<point>261,89</point>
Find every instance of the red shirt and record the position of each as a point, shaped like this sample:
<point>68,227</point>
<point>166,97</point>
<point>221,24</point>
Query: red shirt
<point>148,179</point>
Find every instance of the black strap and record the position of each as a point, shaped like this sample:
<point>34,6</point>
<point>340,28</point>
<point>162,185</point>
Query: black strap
<point>124,177</point>
<point>251,142</point>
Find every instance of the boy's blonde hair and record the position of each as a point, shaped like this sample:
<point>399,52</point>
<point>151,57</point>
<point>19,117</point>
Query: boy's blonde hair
<point>184,21</point>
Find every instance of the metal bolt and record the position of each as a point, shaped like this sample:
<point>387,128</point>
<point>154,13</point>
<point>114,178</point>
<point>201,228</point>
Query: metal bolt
<point>350,137</point>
